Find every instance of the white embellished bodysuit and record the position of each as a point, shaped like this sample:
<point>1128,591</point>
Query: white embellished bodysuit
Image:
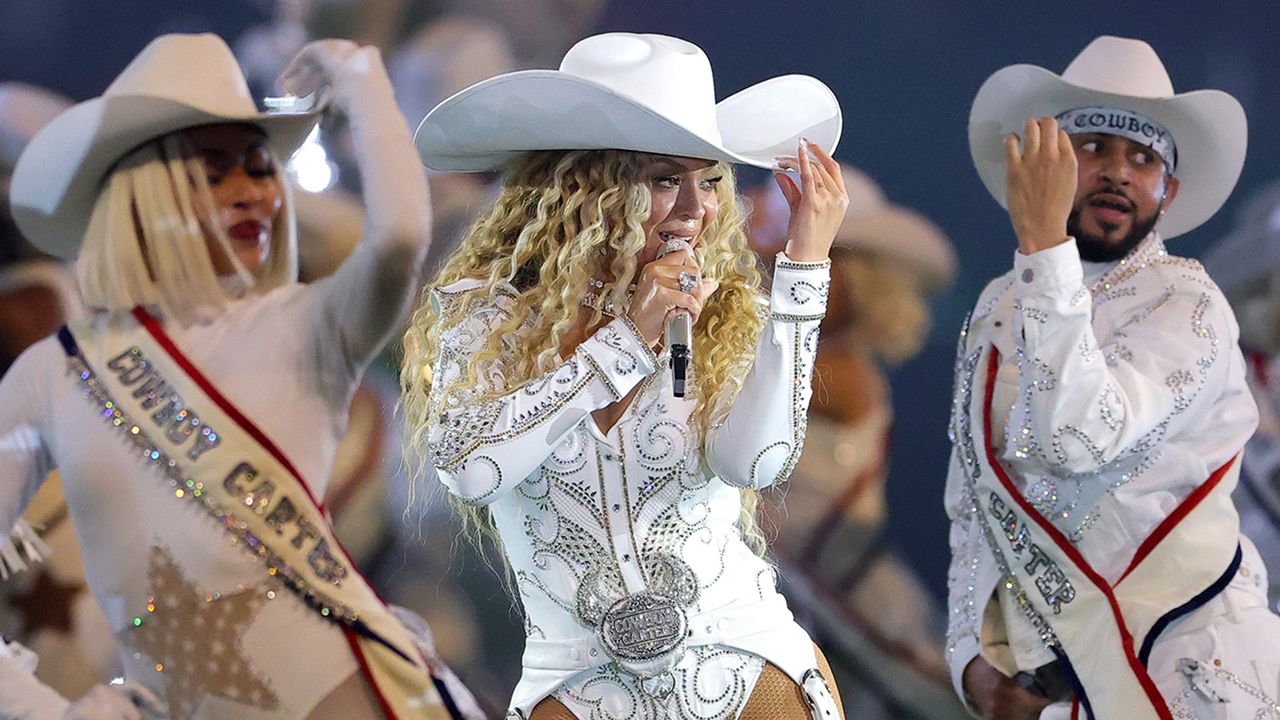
<point>589,519</point>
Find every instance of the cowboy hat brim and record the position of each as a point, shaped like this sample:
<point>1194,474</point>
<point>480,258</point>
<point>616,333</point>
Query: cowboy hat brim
<point>58,177</point>
<point>1208,126</point>
<point>904,235</point>
<point>1251,252</point>
<point>488,125</point>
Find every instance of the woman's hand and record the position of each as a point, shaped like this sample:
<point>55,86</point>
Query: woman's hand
<point>130,701</point>
<point>817,204</point>
<point>328,63</point>
<point>658,294</point>
<point>1042,184</point>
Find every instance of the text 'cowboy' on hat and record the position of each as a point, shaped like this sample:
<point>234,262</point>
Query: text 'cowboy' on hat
<point>1208,126</point>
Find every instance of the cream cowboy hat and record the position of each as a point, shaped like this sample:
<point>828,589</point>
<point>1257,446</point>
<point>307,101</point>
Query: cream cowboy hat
<point>874,225</point>
<point>648,93</point>
<point>1208,126</point>
<point>1251,252</point>
<point>24,109</point>
<point>176,82</point>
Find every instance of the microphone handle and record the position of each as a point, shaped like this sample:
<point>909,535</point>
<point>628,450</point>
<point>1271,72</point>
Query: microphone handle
<point>680,344</point>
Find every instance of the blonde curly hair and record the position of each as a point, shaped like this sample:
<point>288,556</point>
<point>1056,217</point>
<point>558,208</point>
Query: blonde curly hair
<point>560,219</point>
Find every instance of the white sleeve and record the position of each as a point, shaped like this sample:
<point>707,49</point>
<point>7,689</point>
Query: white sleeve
<point>483,445</point>
<point>1088,404</point>
<point>760,439</point>
<point>366,299</point>
<point>25,460</point>
<point>971,577</point>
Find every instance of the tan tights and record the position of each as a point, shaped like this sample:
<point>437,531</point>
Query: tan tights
<point>352,700</point>
<point>775,697</point>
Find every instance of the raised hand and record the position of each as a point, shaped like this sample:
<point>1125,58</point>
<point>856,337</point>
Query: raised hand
<point>817,204</point>
<point>130,701</point>
<point>337,64</point>
<point>1042,184</point>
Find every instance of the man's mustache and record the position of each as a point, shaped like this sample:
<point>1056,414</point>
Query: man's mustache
<point>1112,190</point>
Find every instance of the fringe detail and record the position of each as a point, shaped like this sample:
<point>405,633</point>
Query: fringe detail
<point>23,545</point>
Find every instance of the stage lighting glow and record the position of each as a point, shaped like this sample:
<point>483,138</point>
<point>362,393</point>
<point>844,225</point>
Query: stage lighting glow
<point>310,165</point>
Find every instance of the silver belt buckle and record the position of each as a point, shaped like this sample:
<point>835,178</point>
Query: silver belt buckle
<point>645,633</point>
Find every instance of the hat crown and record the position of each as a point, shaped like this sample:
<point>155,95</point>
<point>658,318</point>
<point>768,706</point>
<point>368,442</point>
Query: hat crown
<point>165,67</point>
<point>667,74</point>
<point>1121,66</point>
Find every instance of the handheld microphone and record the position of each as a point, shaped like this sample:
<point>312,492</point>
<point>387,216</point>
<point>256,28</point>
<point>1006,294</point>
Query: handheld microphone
<point>679,334</point>
<point>680,342</point>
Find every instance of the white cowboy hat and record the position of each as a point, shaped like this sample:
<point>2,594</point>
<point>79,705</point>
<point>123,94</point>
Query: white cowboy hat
<point>1208,126</point>
<point>648,93</point>
<point>176,82</point>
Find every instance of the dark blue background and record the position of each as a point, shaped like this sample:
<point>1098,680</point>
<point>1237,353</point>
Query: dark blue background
<point>905,71</point>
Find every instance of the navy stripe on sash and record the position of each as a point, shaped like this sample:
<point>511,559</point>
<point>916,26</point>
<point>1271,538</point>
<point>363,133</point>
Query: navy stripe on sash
<point>69,345</point>
<point>1075,682</point>
<point>1190,606</point>
<point>450,705</point>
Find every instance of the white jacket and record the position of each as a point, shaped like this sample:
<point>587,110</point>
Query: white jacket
<point>1120,390</point>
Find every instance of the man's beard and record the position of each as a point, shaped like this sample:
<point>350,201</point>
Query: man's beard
<point>1094,248</point>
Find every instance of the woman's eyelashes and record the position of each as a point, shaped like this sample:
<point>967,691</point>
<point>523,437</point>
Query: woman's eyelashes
<point>674,181</point>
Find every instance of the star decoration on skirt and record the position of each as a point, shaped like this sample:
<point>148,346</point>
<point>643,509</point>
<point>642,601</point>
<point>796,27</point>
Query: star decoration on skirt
<point>194,640</point>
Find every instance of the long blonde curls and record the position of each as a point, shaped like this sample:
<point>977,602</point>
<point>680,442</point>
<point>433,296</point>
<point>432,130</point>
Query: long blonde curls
<point>560,219</point>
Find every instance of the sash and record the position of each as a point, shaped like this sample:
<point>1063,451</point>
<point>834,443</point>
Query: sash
<point>215,458</point>
<point>1105,631</point>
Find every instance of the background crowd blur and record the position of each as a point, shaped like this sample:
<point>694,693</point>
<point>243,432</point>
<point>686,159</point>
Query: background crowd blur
<point>859,535</point>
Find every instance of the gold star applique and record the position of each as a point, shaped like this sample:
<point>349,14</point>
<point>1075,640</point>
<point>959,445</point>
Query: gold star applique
<point>194,639</point>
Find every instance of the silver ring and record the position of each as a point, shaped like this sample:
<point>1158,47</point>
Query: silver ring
<point>688,281</point>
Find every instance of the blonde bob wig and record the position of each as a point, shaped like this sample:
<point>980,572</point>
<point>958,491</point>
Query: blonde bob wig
<point>146,243</point>
<point>560,219</point>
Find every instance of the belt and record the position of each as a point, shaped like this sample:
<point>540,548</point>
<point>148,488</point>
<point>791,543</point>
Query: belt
<point>708,628</point>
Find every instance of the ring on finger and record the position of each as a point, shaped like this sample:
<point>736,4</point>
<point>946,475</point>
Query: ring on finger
<point>688,281</point>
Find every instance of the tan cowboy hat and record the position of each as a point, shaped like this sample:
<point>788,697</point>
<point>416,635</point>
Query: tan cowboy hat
<point>176,82</point>
<point>1208,126</point>
<point>1251,252</point>
<point>873,224</point>
<point>24,109</point>
<point>648,93</point>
